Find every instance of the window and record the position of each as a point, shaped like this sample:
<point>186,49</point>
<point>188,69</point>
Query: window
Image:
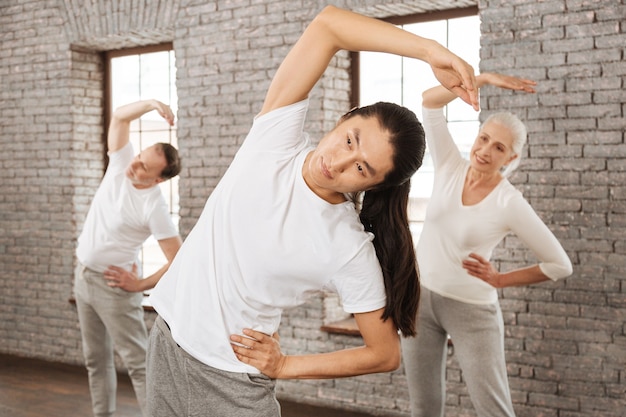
<point>138,74</point>
<point>384,77</point>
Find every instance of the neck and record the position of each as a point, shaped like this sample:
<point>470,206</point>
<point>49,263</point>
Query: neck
<point>140,186</point>
<point>478,178</point>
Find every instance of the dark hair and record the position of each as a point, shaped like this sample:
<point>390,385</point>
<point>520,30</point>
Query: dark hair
<point>384,212</point>
<point>172,159</point>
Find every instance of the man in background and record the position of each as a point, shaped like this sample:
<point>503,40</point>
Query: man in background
<point>127,209</point>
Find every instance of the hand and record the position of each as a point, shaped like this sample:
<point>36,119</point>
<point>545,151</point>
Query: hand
<point>259,350</point>
<point>120,278</point>
<point>455,74</point>
<point>507,82</point>
<point>165,111</point>
<point>481,268</point>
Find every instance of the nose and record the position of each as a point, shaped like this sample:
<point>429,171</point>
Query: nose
<point>341,165</point>
<point>342,161</point>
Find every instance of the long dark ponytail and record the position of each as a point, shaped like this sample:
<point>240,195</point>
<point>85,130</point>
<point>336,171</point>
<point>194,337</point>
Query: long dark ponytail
<point>384,212</point>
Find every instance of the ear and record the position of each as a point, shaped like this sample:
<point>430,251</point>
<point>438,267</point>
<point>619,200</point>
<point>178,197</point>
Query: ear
<point>159,180</point>
<point>511,159</point>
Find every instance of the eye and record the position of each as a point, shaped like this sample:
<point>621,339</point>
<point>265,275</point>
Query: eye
<point>349,141</point>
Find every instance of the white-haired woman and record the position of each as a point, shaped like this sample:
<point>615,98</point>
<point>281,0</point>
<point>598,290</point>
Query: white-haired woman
<point>472,208</point>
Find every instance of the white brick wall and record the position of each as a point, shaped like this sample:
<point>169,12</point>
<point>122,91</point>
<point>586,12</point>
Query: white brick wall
<point>566,342</point>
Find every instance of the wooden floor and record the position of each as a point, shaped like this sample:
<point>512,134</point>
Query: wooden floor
<point>34,388</point>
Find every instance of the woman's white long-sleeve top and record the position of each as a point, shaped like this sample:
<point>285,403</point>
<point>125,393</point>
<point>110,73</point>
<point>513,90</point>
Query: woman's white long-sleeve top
<point>453,230</point>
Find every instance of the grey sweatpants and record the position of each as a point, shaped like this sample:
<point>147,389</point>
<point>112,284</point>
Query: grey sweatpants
<point>181,386</point>
<point>477,332</point>
<point>110,317</point>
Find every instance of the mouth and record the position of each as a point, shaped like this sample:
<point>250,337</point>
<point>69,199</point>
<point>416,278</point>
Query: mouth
<point>480,160</point>
<point>325,170</point>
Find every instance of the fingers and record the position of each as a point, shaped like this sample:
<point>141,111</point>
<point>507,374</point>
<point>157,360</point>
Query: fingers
<point>120,278</point>
<point>115,269</point>
<point>514,83</point>
<point>524,85</point>
<point>248,350</point>
<point>474,266</point>
<point>477,257</point>
<point>471,266</point>
<point>164,111</point>
<point>468,79</point>
<point>470,98</point>
<point>259,350</point>
<point>113,276</point>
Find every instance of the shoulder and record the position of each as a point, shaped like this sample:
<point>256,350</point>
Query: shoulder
<point>123,155</point>
<point>512,199</point>
<point>287,111</point>
<point>278,128</point>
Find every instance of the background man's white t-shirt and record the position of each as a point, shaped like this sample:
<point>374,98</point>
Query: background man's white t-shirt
<point>121,218</point>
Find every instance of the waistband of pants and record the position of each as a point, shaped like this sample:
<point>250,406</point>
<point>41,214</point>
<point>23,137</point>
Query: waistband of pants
<point>165,328</point>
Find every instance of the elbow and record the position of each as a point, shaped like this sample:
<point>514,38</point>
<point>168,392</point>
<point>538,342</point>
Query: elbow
<point>328,22</point>
<point>393,363</point>
<point>556,272</point>
<point>390,359</point>
<point>328,11</point>
<point>324,16</point>
<point>569,270</point>
<point>566,269</point>
<point>430,99</point>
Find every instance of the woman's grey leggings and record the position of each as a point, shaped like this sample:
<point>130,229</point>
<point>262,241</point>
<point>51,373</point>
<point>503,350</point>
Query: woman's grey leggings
<point>477,332</point>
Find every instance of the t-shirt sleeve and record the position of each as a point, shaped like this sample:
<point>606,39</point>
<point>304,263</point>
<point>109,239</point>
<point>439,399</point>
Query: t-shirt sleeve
<point>528,226</point>
<point>160,221</point>
<point>360,283</point>
<point>279,130</point>
<point>119,160</point>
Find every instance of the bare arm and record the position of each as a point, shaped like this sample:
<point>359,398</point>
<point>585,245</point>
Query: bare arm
<point>380,353</point>
<point>336,29</point>
<point>119,128</point>
<point>440,96</point>
<point>129,281</point>
<point>481,268</point>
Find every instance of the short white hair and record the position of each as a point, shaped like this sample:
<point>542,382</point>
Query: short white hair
<point>517,129</point>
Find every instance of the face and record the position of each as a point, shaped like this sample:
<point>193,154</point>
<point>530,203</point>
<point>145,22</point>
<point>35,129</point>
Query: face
<point>492,149</point>
<point>145,169</point>
<point>355,156</point>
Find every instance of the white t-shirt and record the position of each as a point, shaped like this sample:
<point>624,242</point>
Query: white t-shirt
<point>453,230</point>
<point>264,242</point>
<point>121,218</point>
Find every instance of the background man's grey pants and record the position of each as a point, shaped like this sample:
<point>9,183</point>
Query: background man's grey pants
<point>110,317</point>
